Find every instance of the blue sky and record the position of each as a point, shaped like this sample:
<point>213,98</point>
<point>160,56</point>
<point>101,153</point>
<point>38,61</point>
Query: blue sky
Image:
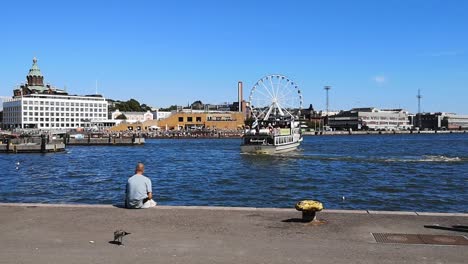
<point>372,53</point>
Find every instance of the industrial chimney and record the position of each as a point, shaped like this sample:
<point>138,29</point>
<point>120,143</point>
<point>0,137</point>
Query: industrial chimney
<point>239,95</point>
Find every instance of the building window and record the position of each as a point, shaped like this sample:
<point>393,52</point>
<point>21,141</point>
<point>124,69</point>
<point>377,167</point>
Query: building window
<point>181,119</point>
<point>198,118</point>
<point>189,119</point>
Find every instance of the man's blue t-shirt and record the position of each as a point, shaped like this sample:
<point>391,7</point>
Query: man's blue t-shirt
<point>138,187</point>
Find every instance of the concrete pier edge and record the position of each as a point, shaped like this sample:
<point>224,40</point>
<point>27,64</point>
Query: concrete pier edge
<point>227,208</point>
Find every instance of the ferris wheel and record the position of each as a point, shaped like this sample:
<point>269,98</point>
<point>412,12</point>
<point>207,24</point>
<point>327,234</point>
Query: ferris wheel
<point>275,97</point>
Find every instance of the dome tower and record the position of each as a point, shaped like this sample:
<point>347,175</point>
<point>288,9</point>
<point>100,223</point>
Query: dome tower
<point>35,77</point>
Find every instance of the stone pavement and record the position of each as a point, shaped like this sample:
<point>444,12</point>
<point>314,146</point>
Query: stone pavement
<point>33,233</point>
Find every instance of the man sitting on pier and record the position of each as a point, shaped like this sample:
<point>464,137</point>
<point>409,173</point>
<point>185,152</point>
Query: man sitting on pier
<point>139,193</point>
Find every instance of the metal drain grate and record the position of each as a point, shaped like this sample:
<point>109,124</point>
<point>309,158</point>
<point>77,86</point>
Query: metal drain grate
<point>420,239</point>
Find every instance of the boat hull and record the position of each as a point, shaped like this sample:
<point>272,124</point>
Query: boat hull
<point>269,149</point>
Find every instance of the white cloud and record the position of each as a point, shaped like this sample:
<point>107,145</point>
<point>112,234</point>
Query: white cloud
<point>379,79</point>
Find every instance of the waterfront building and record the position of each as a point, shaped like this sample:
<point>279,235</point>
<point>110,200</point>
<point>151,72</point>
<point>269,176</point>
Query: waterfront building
<point>159,115</point>
<point>132,117</point>
<point>39,106</point>
<point>3,99</point>
<point>222,120</point>
<point>190,120</point>
<point>370,118</point>
<point>455,122</point>
<point>441,121</point>
<point>428,121</point>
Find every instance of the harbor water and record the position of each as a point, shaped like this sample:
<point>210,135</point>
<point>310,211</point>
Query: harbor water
<point>378,172</point>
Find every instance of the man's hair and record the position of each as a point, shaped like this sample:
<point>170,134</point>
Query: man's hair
<point>139,167</point>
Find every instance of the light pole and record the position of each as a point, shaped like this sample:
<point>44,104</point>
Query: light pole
<point>327,88</point>
<point>419,96</point>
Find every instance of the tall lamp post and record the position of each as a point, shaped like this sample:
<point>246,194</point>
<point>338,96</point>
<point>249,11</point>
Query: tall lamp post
<point>327,89</point>
<point>419,96</point>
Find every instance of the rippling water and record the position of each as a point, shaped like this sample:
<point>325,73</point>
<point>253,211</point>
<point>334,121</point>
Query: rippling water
<point>402,172</point>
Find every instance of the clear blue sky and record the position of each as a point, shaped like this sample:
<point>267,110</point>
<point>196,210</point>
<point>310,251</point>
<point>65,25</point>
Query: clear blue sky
<point>372,53</point>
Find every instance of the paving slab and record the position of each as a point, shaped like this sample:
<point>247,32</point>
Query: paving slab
<point>81,234</point>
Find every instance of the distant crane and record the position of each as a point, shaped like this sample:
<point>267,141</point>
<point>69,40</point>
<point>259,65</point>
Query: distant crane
<point>419,96</point>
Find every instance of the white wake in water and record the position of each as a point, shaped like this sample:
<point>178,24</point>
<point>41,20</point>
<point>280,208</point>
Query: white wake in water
<point>426,158</point>
<point>439,158</point>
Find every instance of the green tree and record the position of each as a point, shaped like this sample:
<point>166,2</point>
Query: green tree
<point>121,117</point>
<point>197,105</point>
<point>168,109</point>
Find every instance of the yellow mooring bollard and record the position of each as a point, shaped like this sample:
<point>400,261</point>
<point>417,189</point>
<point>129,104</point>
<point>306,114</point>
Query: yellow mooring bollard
<point>309,209</point>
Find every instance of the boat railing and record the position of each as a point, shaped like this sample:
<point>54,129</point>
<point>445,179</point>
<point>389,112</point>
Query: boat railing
<point>280,140</point>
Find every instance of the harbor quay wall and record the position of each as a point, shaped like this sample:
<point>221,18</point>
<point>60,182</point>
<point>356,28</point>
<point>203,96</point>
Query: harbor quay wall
<point>106,141</point>
<point>32,148</point>
<point>306,133</point>
<point>403,132</point>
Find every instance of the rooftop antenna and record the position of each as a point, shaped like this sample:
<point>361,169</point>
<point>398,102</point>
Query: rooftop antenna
<point>96,88</point>
<point>327,88</point>
<point>419,96</point>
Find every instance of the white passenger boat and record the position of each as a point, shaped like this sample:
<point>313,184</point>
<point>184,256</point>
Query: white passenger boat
<point>275,103</point>
<point>265,141</point>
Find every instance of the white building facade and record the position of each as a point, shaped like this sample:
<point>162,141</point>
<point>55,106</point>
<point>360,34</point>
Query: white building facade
<point>160,115</point>
<point>371,118</point>
<point>36,105</point>
<point>132,117</point>
<point>3,99</point>
<point>44,111</point>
